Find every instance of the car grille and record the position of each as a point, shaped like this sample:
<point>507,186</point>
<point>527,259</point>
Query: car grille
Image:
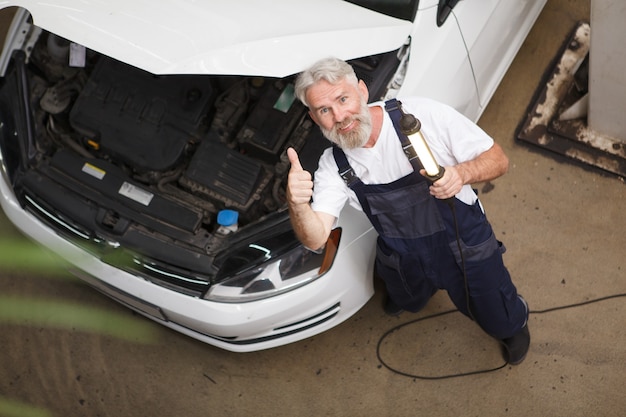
<point>286,330</point>
<point>160,273</point>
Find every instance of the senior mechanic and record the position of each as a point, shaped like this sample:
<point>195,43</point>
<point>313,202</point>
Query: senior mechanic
<point>418,249</point>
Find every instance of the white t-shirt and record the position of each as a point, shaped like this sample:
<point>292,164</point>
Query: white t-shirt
<point>451,137</point>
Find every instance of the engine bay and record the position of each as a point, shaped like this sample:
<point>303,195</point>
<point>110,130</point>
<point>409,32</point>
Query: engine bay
<point>214,143</point>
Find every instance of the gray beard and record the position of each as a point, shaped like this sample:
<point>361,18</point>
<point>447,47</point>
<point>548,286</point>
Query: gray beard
<point>357,137</point>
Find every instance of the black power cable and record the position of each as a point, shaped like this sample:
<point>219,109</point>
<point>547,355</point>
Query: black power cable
<point>480,371</point>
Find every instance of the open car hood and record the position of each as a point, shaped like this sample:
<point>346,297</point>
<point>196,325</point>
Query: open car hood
<point>241,37</point>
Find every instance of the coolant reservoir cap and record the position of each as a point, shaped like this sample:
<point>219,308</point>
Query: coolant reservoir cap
<point>227,217</point>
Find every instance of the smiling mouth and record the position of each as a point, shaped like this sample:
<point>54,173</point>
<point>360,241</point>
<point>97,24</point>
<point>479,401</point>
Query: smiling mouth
<point>347,127</point>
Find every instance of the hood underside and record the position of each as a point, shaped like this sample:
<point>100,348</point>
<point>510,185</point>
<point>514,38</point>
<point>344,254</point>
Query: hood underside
<point>242,37</point>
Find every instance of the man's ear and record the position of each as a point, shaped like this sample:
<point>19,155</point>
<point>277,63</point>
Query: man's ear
<point>364,91</point>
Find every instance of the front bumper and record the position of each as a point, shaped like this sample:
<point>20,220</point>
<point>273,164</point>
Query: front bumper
<point>241,327</point>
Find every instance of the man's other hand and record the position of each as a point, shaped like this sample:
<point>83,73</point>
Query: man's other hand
<point>447,186</point>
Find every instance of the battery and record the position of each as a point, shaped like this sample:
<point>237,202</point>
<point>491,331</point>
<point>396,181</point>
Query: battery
<point>225,175</point>
<point>270,123</point>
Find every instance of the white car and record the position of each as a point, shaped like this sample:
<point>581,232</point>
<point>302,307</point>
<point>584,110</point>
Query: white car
<point>144,141</point>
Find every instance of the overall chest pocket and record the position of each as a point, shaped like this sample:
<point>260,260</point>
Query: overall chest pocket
<point>408,212</point>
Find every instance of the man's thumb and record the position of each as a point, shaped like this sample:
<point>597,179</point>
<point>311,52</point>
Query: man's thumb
<point>293,158</point>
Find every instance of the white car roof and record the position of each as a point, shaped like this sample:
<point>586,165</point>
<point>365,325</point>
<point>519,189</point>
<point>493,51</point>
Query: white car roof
<point>242,37</point>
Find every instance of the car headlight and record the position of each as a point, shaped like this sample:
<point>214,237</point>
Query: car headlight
<point>275,275</point>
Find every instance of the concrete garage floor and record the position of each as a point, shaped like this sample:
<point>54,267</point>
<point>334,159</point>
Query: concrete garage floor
<point>563,225</point>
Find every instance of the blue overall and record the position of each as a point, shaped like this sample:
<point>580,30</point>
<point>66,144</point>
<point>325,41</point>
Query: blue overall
<point>418,253</point>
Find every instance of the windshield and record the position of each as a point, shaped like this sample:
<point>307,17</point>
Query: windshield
<point>402,9</point>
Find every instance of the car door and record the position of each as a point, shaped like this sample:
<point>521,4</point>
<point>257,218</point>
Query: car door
<point>439,65</point>
<point>493,31</point>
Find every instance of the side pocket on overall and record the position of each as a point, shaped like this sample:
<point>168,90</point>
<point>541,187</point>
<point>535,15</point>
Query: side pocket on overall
<point>390,270</point>
<point>476,253</point>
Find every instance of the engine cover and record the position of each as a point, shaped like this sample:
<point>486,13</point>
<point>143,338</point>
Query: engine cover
<point>139,118</point>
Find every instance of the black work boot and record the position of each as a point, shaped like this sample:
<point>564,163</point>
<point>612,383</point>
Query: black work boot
<point>391,308</point>
<point>515,347</point>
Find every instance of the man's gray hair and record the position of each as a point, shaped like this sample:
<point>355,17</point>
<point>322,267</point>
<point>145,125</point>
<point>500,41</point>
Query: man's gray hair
<point>332,70</point>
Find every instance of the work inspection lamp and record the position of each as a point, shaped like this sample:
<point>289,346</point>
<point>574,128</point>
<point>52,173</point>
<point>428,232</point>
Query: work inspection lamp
<point>412,128</point>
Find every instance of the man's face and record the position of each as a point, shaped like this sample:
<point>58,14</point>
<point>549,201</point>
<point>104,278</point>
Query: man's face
<point>341,112</point>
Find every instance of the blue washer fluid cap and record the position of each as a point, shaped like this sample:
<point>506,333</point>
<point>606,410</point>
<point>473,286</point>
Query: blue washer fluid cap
<point>227,217</point>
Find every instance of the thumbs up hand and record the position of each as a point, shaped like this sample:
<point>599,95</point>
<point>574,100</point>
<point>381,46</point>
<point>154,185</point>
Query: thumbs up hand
<point>299,181</point>
<point>312,228</point>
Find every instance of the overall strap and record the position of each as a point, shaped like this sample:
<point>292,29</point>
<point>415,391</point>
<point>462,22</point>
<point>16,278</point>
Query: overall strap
<point>393,108</point>
<point>345,169</point>
<point>352,181</point>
